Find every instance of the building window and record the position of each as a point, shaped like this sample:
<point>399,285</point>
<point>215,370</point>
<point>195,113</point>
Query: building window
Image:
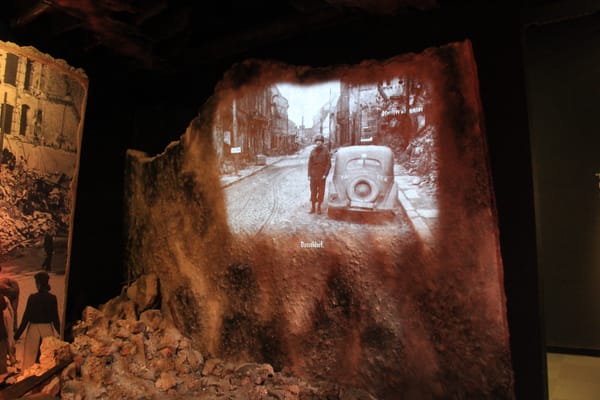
<point>6,117</point>
<point>37,127</point>
<point>28,71</point>
<point>24,119</point>
<point>10,71</point>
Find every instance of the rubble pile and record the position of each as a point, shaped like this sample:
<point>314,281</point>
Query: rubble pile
<point>126,349</point>
<point>421,157</point>
<point>31,204</point>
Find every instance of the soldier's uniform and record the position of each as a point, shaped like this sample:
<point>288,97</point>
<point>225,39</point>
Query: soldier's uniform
<point>319,164</point>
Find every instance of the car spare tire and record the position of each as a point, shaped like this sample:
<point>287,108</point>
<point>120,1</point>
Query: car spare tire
<point>363,189</point>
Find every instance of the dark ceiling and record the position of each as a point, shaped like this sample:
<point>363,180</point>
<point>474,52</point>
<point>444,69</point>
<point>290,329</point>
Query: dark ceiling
<point>145,40</point>
<point>163,35</point>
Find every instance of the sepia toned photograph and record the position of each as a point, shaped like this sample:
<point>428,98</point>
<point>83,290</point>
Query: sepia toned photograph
<point>336,223</point>
<point>42,106</point>
<point>340,150</point>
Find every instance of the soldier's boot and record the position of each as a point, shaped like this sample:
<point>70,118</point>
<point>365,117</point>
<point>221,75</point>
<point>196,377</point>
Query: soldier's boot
<point>318,208</point>
<point>312,208</point>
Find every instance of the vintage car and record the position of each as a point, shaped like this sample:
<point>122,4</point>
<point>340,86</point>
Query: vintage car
<point>363,182</point>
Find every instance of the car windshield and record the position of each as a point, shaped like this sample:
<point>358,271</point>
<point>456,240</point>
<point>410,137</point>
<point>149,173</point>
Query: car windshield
<point>359,163</point>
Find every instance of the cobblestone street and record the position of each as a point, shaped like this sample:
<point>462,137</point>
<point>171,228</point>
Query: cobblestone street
<point>282,180</point>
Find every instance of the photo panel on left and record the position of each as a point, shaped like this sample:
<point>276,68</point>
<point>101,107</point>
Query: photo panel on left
<point>42,107</point>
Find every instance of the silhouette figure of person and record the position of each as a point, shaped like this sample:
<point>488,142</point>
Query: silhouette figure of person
<point>40,319</point>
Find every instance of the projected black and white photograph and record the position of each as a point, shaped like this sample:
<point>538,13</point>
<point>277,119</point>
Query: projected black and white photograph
<point>42,104</point>
<point>334,154</point>
<point>336,223</point>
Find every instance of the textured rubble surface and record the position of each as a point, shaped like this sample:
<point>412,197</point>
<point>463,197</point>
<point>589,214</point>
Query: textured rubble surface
<point>31,204</point>
<point>126,350</point>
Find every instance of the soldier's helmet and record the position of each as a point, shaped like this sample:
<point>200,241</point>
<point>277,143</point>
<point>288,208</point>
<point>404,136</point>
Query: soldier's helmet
<point>319,138</point>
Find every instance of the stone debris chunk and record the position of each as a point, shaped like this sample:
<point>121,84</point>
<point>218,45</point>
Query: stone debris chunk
<point>166,381</point>
<point>119,353</point>
<point>144,292</point>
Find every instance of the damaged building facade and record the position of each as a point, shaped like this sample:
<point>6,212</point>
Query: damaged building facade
<point>254,124</point>
<point>390,112</point>
<point>40,107</point>
<point>42,103</point>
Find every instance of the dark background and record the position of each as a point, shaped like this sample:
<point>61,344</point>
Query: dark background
<point>536,73</point>
<point>562,60</point>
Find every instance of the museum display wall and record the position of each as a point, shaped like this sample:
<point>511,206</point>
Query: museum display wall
<point>146,111</point>
<point>407,306</point>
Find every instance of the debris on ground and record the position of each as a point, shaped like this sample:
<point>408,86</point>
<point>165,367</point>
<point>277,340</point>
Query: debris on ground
<point>126,349</point>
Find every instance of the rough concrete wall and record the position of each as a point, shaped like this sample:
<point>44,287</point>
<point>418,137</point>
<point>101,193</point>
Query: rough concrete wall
<point>177,228</point>
<point>382,309</point>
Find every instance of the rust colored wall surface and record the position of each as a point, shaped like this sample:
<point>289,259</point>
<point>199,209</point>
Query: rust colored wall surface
<point>413,306</point>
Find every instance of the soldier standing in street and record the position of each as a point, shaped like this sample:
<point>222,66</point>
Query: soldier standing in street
<point>319,163</point>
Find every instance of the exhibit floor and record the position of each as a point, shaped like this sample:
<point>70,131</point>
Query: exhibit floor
<point>573,377</point>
